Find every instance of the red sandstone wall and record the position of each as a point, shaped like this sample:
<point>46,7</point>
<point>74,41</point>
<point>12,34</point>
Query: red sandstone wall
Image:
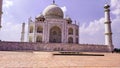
<point>13,46</point>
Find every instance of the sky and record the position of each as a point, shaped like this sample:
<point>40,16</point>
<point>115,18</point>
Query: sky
<point>88,13</point>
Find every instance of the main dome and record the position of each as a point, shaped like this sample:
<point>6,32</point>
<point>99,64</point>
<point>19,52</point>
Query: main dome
<point>53,11</point>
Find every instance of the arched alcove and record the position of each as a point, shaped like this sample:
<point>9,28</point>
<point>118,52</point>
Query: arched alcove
<point>30,39</point>
<point>39,39</point>
<point>70,31</point>
<point>77,40</point>
<point>55,35</point>
<point>31,29</point>
<point>70,40</point>
<point>77,32</point>
<point>39,29</point>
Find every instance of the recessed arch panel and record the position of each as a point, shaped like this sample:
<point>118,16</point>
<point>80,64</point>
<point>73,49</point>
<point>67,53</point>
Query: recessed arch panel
<point>70,40</point>
<point>55,35</point>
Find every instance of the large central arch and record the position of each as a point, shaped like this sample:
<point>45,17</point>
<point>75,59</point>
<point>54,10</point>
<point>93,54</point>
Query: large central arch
<point>55,35</point>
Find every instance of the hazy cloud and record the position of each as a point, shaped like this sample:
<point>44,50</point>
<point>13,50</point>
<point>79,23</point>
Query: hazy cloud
<point>93,33</point>
<point>115,9</point>
<point>115,5</point>
<point>64,9</point>
<point>7,3</point>
<point>10,31</point>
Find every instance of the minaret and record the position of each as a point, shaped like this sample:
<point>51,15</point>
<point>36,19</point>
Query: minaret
<point>0,12</point>
<point>108,31</point>
<point>23,32</point>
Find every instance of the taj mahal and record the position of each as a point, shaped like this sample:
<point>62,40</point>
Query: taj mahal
<point>51,31</point>
<point>51,27</point>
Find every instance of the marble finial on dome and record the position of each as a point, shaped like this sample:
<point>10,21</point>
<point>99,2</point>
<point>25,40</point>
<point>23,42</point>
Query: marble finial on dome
<point>53,1</point>
<point>106,5</point>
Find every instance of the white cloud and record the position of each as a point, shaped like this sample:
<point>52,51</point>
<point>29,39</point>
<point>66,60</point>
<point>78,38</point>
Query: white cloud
<point>64,9</point>
<point>115,5</point>
<point>93,33</point>
<point>116,31</point>
<point>93,27</point>
<point>7,3</point>
<point>10,32</point>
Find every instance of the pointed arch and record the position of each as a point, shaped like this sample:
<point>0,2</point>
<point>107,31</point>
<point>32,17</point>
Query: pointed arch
<point>77,32</point>
<point>31,29</point>
<point>39,29</point>
<point>70,31</point>
<point>39,39</point>
<point>77,40</point>
<point>30,39</point>
<point>70,40</point>
<point>55,35</point>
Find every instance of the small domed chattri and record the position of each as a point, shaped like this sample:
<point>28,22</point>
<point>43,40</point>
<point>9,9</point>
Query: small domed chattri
<point>106,6</point>
<point>69,20</point>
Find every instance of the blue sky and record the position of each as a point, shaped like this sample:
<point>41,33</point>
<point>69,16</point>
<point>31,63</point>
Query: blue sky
<point>88,13</point>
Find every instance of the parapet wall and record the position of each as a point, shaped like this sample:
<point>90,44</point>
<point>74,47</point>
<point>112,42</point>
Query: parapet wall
<point>25,46</point>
